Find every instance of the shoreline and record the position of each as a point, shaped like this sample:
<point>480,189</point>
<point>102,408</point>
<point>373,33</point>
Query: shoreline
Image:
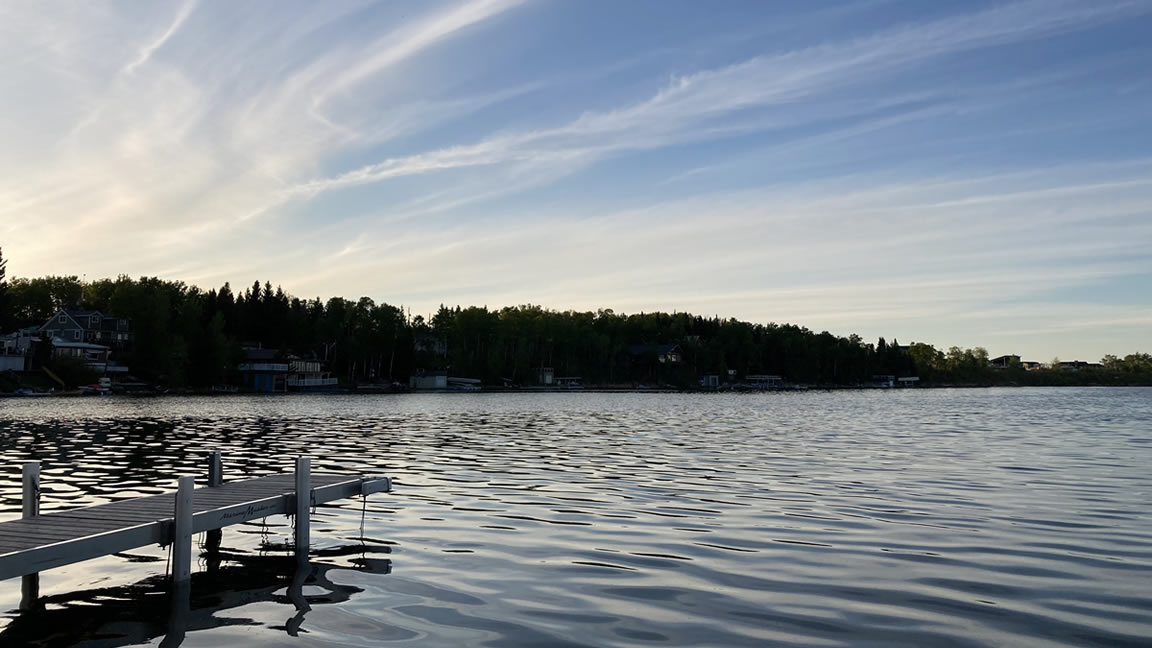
<point>538,390</point>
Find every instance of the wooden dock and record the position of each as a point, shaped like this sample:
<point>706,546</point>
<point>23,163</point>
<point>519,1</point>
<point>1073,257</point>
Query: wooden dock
<point>40,542</point>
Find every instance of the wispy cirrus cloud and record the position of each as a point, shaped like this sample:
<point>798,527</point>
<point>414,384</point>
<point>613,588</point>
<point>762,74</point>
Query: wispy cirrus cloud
<point>151,47</point>
<point>675,113</point>
<point>149,149</point>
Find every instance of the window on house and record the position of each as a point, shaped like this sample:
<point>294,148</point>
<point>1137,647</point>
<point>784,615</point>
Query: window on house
<point>63,318</point>
<point>76,335</point>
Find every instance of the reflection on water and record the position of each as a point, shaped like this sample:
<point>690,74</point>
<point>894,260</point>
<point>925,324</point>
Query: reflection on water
<point>135,614</point>
<point>945,518</point>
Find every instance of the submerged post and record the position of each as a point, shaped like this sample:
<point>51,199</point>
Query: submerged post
<point>30,477</point>
<point>303,505</point>
<point>182,531</point>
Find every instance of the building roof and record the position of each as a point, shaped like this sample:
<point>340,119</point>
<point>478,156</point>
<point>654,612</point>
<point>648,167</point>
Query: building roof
<point>83,319</point>
<point>61,344</point>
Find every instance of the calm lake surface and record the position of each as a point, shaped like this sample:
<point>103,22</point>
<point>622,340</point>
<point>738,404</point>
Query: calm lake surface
<point>987,517</point>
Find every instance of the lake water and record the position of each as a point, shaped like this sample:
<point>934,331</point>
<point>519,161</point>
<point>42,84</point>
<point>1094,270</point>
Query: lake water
<point>882,518</point>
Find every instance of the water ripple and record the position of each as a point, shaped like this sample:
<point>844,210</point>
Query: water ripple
<point>943,518</point>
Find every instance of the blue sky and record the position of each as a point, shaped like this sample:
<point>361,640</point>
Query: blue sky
<point>974,173</point>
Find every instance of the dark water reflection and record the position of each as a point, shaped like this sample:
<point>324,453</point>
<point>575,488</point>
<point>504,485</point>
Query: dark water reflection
<point>943,518</point>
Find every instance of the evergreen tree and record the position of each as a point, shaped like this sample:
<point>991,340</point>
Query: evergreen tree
<point>5,306</point>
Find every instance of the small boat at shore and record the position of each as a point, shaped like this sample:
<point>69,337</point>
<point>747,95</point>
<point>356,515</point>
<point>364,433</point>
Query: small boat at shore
<point>28,393</point>
<point>95,390</point>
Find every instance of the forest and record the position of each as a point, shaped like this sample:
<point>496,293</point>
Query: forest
<point>184,336</point>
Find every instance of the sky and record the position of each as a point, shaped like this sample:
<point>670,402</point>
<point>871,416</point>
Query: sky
<point>972,174</point>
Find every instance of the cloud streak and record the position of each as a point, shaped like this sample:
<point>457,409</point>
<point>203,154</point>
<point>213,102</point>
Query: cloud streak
<point>150,49</point>
<point>668,116</point>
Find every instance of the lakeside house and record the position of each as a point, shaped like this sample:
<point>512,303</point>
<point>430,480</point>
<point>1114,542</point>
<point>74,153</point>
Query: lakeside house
<point>87,335</point>
<point>1004,362</point>
<point>546,376</point>
<point>92,327</point>
<point>96,356</point>
<point>309,376</point>
<point>1077,365</point>
<point>663,353</point>
<point>270,371</point>
<point>263,370</point>
<point>16,349</point>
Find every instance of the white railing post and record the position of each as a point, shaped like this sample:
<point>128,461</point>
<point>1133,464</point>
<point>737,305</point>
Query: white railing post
<point>303,505</point>
<point>182,531</point>
<point>30,477</point>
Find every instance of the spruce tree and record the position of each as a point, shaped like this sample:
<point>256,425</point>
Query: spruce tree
<point>5,305</point>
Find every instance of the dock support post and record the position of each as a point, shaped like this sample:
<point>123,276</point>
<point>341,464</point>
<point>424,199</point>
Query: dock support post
<point>182,536</point>
<point>303,524</point>
<point>214,537</point>
<point>31,479</point>
<point>215,470</point>
<point>30,583</point>
<point>303,505</point>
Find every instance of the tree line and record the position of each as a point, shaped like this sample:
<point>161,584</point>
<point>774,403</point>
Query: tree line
<point>184,336</point>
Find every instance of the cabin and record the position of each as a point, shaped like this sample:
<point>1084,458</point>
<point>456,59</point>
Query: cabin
<point>546,376</point>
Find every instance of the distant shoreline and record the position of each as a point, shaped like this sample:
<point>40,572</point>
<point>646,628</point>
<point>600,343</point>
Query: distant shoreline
<point>544,390</point>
